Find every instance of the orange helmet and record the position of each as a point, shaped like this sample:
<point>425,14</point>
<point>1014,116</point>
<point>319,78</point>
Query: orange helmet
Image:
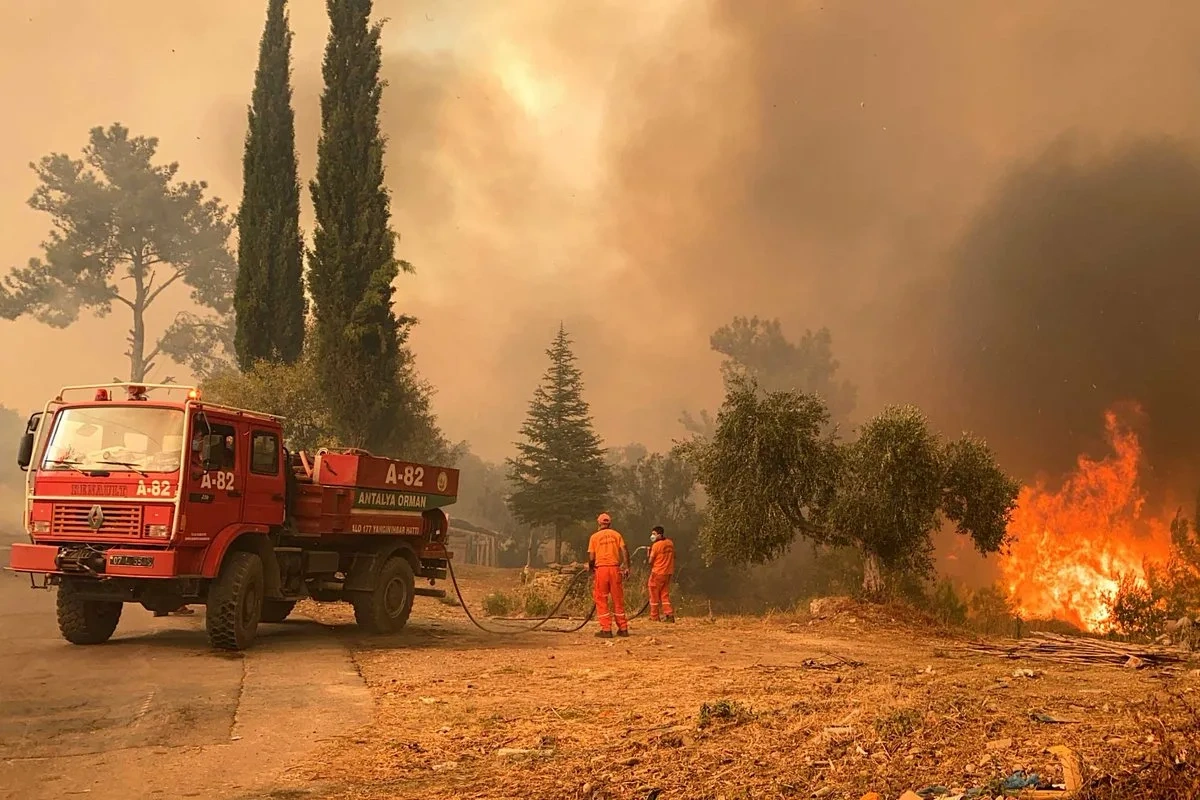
<point>604,520</point>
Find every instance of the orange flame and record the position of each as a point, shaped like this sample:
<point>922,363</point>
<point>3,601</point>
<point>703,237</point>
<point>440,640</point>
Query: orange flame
<point>1070,547</point>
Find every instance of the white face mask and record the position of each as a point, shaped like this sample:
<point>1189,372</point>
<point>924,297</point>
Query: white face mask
<point>653,538</point>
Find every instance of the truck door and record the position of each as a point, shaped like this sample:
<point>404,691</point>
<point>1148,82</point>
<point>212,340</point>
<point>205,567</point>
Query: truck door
<point>215,497</point>
<point>264,477</point>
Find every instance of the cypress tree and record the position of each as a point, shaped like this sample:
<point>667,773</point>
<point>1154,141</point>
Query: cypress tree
<point>560,476</point>
<point>269,300</point>
<point>352,264</point>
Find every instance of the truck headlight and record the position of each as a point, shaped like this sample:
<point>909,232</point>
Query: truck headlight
<point>158,531</point>
<point>41,526</point>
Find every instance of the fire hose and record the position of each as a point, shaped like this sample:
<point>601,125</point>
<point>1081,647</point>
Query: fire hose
<point>554,611</point>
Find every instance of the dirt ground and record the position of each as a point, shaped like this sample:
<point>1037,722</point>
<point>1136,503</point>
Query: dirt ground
<point>783,706</point>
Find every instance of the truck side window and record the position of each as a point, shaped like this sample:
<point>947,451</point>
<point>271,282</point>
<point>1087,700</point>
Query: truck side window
<point>264,453</point>
<point>228,453</point>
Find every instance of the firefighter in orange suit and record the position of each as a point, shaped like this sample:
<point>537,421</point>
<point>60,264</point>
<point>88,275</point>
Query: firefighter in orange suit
<point>608,561</point>
<point>662,568</point>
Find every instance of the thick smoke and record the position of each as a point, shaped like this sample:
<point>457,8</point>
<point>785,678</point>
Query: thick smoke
<point>1077,287</point>
<point>868,166</point>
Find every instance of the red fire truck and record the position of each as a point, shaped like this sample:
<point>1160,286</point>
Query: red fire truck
<point>168,500</point>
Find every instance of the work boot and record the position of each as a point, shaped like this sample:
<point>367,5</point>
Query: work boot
<point>622,633</point>
<point>669,618</point>
<point>603,634</point>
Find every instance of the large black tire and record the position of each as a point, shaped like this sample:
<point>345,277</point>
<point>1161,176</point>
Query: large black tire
<point>277,610</point>
<point>84,621</point>
<point>235,602</point>
<point>386,607</point>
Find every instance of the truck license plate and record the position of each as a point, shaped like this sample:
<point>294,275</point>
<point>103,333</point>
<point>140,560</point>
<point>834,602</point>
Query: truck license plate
<point>131,561</point>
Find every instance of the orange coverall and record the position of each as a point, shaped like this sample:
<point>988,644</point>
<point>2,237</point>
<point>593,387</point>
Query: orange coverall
<point>662,567</point>
<point>605,550</point>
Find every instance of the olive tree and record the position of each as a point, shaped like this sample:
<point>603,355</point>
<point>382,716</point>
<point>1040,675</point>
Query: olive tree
<point>771,474</point>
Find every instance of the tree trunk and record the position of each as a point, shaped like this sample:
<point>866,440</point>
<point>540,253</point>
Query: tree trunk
<point>137,334</point>
<point>137,348</point>
<point>529,552</point>
<point>557,543</point>
<point>872,577</point>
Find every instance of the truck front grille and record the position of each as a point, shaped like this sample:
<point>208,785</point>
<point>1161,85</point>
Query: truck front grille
<point>74,519</point>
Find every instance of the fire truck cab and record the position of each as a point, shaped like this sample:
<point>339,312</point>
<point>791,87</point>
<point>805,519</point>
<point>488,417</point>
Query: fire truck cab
<point>166,501</point>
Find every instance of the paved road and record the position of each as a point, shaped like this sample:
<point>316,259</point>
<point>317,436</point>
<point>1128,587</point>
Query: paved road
<point>155,712</point>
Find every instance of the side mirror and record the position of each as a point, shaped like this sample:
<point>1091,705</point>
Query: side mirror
<point>25,452</point>
<point>211,447</point>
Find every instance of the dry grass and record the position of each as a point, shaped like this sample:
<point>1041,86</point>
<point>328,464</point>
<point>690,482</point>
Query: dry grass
<point>725,708</point>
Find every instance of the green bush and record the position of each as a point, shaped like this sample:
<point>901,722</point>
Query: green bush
<point>498,604</point>
<point>898,724</point>
<point>990,611</point>
<point>730,711</point>
<point>945,604</point>
<point>536,605</point>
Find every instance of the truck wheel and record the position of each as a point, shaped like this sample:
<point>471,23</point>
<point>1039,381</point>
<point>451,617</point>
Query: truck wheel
<point>277,610</point>
<point>85,621</point>
<point>386,607</point>
<point>235,602</point>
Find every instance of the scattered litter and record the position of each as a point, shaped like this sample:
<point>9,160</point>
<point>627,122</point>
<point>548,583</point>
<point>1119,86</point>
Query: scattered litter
<point>1049,720</point>
<point>1021,780</point>
<point>1072,766</point>
<point>1024,673</point>
<point>999,744</point>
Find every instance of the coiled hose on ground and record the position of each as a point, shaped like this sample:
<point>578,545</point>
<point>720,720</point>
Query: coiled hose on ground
<point>538,626</point>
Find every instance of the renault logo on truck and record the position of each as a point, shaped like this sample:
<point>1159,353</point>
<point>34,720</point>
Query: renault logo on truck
<point>96,518</point>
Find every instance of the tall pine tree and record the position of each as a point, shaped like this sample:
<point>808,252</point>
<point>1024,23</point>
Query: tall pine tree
<point>560,476</point>
<point>352,263</point>
<point>269,300</point>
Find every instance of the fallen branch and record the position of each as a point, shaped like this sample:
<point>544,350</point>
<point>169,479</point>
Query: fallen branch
<point>1046,646</point>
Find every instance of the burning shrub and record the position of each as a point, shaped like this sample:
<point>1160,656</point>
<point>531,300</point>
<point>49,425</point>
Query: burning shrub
<point>1136,611</point>
<point>1171,590</point>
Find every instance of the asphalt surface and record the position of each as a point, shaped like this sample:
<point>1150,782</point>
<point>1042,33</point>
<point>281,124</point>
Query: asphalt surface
<point>155,712</point>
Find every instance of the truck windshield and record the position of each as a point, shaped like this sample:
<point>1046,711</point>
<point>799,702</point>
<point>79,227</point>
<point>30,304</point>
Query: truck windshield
<point>141,439</point>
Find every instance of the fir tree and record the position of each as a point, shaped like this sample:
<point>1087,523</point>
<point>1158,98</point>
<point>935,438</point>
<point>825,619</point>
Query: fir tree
<point>269,300</point>
<point>352,263</point>
<point>560,475</point>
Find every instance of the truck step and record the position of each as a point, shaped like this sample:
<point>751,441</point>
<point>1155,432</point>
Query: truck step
<point>429,591</point>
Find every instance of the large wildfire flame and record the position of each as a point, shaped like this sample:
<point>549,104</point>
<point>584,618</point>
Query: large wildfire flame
<point>1072,546</point>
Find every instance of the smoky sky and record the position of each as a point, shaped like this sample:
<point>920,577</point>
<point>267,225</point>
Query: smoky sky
<point>857,165</point>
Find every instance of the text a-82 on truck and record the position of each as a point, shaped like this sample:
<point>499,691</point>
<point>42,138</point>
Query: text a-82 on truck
<point>144,493</point>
